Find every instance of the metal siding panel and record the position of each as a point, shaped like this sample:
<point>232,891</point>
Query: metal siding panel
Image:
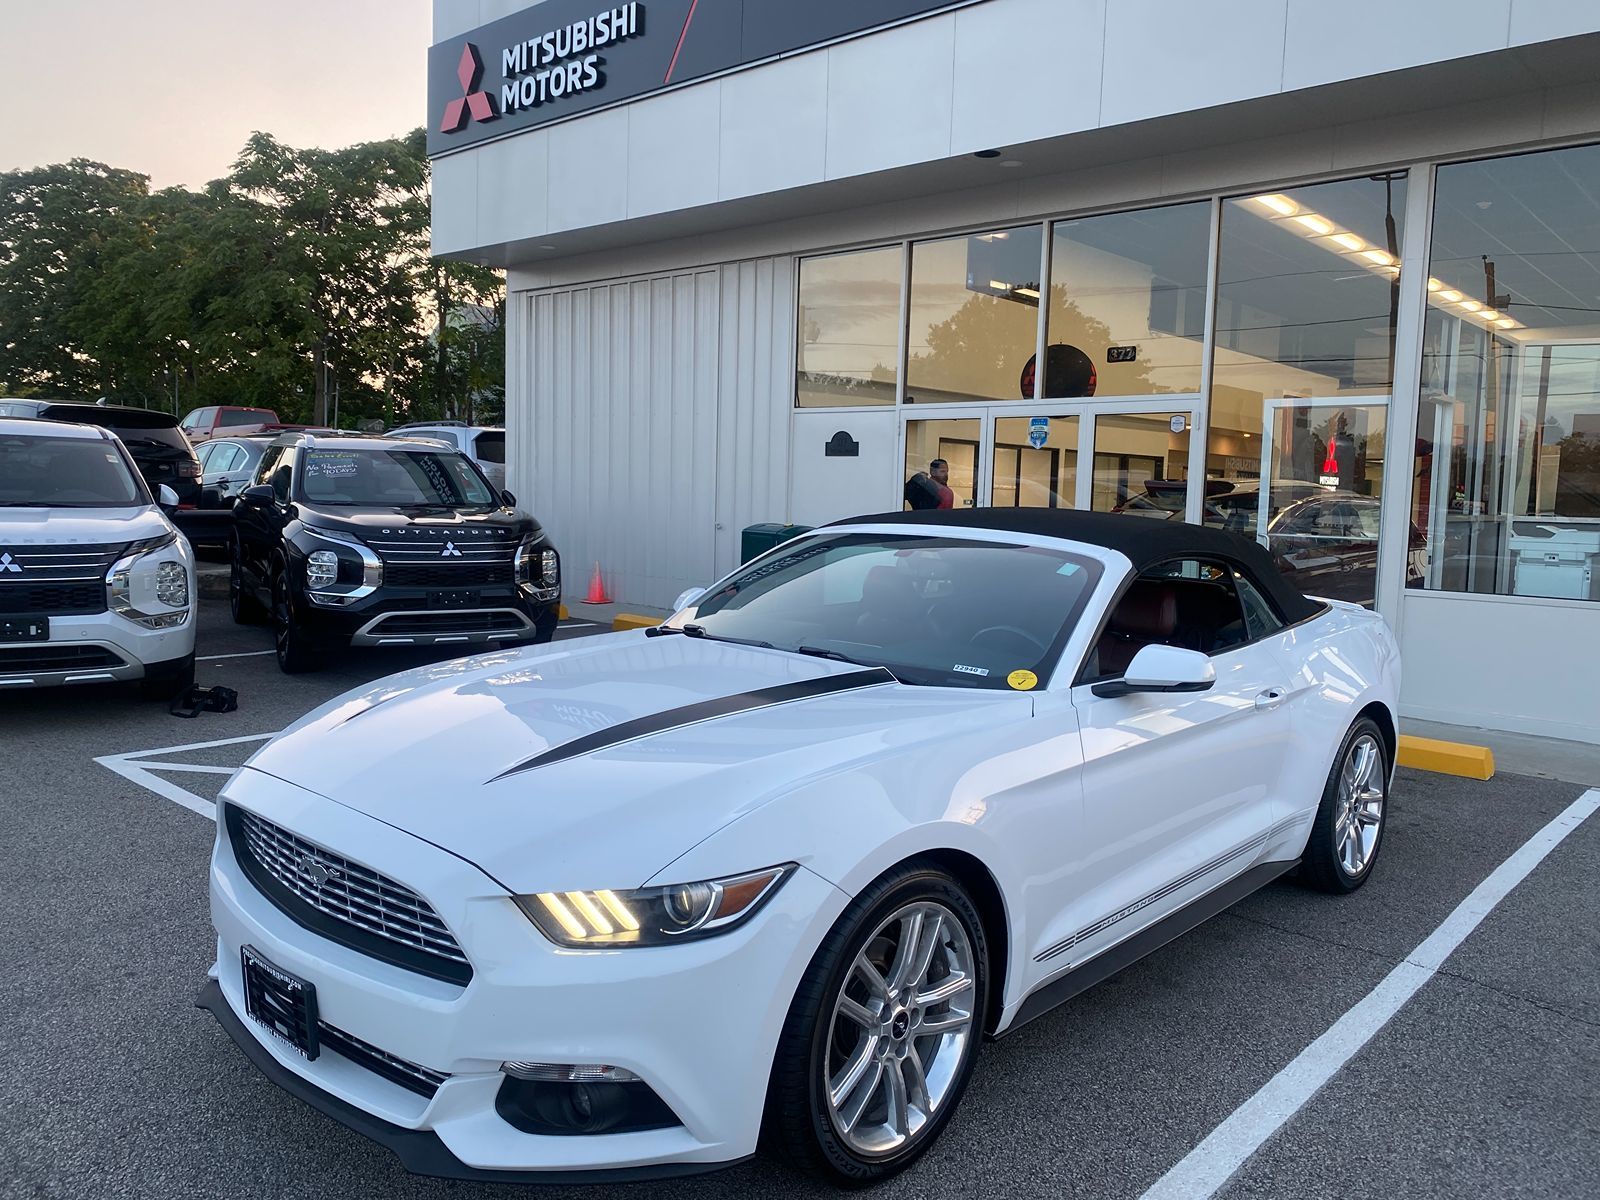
<point>654,422</point>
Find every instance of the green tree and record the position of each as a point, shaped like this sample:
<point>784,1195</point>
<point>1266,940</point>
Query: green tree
<point>56,224</point>
<point>348,226</point>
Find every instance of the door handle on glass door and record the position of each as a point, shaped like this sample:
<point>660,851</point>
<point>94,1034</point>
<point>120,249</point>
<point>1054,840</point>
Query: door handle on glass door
<point>1271,698</point>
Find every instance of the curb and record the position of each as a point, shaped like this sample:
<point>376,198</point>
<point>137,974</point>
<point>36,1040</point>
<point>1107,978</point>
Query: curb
<point>211,581</point>
<point>1446,758</point>
<point>633,621</point>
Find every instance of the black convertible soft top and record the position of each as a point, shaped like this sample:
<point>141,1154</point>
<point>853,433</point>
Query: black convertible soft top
<point>1143,540</point>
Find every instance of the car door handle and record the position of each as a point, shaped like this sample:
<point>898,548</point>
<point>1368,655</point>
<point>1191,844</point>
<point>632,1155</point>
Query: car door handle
<point>1271,698</point>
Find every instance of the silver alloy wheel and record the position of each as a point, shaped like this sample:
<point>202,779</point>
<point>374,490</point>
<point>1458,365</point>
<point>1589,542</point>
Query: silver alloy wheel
<point>1360,811</point>
<point>901,1029</point>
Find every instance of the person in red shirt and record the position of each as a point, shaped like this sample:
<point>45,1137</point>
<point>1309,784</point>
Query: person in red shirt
<point>939,470</point>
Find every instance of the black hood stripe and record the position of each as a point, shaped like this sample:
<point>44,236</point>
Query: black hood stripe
<point>704,710</point>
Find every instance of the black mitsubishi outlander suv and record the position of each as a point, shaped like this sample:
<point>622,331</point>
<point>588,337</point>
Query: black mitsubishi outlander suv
<point>373,541</point>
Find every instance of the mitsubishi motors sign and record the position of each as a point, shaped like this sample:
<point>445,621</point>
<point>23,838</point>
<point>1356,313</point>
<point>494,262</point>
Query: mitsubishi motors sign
<point>563,57</point>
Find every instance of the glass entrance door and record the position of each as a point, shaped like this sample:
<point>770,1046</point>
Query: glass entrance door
<point>1141,463</point>
<point>1110,456</point>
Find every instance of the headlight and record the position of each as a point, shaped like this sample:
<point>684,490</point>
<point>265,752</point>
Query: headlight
<point>539,571</point>
<point>654,916</point>
<point>165,584</point>
<point>322,568</point>
<point>172,584</point>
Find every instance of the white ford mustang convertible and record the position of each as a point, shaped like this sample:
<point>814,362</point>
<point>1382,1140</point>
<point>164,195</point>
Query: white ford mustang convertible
<point>616,907</point>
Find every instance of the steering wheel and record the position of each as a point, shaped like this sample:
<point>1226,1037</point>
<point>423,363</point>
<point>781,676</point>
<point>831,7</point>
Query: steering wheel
<point>1011,631</point>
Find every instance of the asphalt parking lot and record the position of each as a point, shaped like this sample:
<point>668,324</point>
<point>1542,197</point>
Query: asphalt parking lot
<point>1485,1083</point>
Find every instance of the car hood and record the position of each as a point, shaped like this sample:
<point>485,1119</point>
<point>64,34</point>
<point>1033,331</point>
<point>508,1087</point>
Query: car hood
<point>79,526</point>
<point>378,519</point>
<point>526,764</point>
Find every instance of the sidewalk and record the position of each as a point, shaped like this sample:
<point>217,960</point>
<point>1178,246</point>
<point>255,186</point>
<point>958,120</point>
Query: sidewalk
<point>1520,753</point>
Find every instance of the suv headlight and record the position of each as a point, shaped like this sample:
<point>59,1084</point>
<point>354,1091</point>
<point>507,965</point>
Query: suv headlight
<point>538,569</point>
<point>166,585</point>
<point>654,916</point>
<point>322,569</point>
<point>335,578</point>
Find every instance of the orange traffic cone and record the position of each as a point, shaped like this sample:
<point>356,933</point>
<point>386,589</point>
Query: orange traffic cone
<point>597,589</point>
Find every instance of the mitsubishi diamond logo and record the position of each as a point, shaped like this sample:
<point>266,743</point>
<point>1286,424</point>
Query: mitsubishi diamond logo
<point>8,564</point>
<point>450,551</point>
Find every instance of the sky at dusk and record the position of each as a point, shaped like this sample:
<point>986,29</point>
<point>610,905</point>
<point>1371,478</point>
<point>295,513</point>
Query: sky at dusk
<point>172,88</point>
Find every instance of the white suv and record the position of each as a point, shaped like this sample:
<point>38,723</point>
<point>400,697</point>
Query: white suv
<point>96,585</point>
<point>483,444</point>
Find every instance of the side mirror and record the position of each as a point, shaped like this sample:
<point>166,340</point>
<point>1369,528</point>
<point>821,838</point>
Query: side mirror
<point>1162,669</point>
<point>259,496</point>
<point>506,498</point>
<point>687,598</point>
<point>166,497</point>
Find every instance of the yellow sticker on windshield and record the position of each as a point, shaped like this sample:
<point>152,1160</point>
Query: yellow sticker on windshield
<point>1023,681</point>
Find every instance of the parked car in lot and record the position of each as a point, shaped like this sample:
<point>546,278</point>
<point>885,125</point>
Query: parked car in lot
<point>96,586</point>
<point>226,420</point>
<point>151,437</point>
<point>377,541</point>
<point>782,862</point>
<point>483,444</point>
<point>228,466</point>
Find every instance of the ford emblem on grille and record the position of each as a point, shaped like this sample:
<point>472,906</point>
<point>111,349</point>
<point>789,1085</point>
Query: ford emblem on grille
<point>315,873</point>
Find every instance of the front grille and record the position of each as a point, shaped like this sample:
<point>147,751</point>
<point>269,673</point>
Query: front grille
<point>26,659</point>
<point>58,564</point>
<point>466,621</point>
<point>345,901</point>
<point>408,1075</point>
<point>61,599</point>
<point>65,580</point>
<point>445,547</point>
<point>447,574</point>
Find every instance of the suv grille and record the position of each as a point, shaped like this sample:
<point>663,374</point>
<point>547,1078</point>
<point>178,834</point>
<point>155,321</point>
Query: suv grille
<point>345,901</point>
<point>445,547</point>
<point>446,574</point>
<point>66,580</point>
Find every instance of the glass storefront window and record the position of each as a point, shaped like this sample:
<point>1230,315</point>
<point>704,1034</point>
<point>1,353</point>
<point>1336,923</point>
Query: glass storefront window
<point>1308,293</point>
<point>1507,489</point>
<point>974,317</point>
<point>1141,464</point>
<point>1135,282</point>
<point>849,322</point>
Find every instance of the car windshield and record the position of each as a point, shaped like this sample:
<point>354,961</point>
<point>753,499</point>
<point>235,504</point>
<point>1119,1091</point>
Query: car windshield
<point>393,478</point>
<point>933,610</point>
<point>63,472</point>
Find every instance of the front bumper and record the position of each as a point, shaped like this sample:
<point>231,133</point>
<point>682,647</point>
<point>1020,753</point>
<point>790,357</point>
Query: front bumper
<point>396,616</point>
<point>106,648</point>
<point>697,1022</point>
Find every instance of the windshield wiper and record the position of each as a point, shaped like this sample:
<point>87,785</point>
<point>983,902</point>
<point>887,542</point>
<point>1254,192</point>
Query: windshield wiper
<point>699,631</point>
<point>837,656</point>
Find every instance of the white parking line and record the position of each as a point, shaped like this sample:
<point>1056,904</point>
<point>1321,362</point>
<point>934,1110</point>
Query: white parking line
<point>1213,1162</point>
<point>139,767</point>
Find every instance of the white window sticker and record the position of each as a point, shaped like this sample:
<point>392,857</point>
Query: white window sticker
<point>966,670</point>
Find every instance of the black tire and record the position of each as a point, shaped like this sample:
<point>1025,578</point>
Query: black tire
<point>242,604</point>
<point>799,1122</point>
<point>1326,863</point>
<point>297,653</point>
<point>168,679</point>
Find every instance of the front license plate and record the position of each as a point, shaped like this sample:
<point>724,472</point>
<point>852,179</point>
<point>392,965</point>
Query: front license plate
<point>285,1004</point>
<point>452,599</point>
<point>24,629</point>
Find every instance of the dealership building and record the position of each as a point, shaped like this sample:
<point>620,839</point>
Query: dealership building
<point>1326,275</point>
